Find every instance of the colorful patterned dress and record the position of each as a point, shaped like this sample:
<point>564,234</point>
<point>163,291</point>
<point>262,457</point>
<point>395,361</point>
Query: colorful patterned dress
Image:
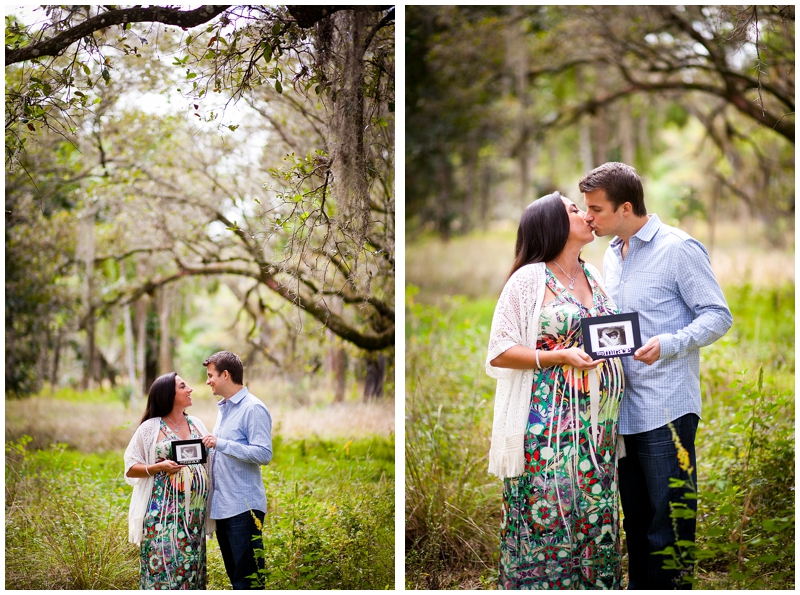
<point>560,526</point>
<point>173,552</point>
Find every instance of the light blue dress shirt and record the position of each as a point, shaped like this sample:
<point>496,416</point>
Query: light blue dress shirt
<point>666,277</point>
<point>244,443</point>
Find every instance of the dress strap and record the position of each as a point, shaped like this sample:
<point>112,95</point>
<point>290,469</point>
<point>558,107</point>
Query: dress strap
<point>168,430</point>
<point>592,281</point>
<point>553,283</point>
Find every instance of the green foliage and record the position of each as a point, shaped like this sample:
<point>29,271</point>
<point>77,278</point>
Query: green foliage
<point>747,510</point>
<point>38,298</point>
<point>66,521</point>
<point>330,522</point>
<point>452,504</point>
<point>745,448</point>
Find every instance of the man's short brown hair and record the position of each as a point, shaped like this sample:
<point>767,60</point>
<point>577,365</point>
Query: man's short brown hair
<point>225,360</point>
<point>621,184</point>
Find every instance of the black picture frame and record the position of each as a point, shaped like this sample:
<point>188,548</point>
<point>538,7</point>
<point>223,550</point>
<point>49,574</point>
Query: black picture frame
<point>188,452</point>
<point>617,335</point>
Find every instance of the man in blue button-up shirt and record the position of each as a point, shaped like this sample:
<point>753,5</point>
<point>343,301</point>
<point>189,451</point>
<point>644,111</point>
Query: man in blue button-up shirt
<point>665,275</point>
<point>242,442</point>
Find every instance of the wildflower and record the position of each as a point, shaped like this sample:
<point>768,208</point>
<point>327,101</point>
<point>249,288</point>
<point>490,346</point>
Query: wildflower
<point>256,520</point>
<point>683,454</point>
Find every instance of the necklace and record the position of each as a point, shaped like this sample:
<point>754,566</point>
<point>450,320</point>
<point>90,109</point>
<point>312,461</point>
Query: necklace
<point>173,423</point>
<point>571,277</point>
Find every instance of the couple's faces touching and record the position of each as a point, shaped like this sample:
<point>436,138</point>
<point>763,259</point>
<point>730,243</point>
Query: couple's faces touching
<point>601,216</point>
<point>578,228</point>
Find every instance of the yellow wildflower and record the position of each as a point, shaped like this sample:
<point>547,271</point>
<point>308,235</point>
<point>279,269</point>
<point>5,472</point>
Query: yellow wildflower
<point>256,520</point>
<point>683,454</point>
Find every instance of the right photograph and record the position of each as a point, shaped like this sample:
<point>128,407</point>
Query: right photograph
<point>600,297</point>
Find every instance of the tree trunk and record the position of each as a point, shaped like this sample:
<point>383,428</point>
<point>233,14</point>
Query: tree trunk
<point>130,354</point>
<point>601,120</point>
<point>644,135</point>
<point>56,358</point>
<point>165,338</point>
<point>339,369</point>
<point>338,357</point>
<point>141,343</point>
<point>586,145</point>
<point>711,217</point>
<point>518,52</point>
<point>376,370</point>
<point>44,357</point>
<point>87,250</point>
<point>467,209</point>
<point>485,195</point>
<point>444,181</point>
<point>627,138</point>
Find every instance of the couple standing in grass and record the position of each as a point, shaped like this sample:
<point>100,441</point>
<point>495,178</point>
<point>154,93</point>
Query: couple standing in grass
<point>572,436</point>
<point>175,507</point>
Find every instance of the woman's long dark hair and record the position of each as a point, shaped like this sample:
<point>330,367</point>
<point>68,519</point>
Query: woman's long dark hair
<point>161,397</point>
<point>542,233</point>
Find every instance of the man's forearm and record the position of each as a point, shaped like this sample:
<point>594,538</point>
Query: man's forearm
<point>712,324</point>
<point>260,454</point>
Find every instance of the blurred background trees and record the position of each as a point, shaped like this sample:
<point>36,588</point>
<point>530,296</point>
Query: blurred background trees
<point>223,183</point>
<point>505,104</point>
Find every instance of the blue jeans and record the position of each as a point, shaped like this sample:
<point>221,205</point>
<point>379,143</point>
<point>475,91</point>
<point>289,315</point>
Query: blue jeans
<point>235,536</point>
<point>644,475</point>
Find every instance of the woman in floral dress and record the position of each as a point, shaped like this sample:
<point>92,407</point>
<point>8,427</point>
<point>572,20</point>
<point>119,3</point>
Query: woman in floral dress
<point>168,513</point>
<point>554,433</point>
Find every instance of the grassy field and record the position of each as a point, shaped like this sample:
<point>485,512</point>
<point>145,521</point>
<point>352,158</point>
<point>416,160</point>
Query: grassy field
<point>330,521</point>
<point>745,443</point>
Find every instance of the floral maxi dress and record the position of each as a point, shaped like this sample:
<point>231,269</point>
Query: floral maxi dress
<point>173,551</point>
<point>560,527</point>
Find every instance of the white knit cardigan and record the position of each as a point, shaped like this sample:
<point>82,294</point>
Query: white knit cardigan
<point>515,322</point>
<point>142,449</point>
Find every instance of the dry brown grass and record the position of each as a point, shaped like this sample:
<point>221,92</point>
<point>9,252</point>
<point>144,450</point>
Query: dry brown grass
<point>97,427</point>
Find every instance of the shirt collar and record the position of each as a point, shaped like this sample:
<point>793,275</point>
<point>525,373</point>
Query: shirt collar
<point>235,399</point>
<point>646,233</point>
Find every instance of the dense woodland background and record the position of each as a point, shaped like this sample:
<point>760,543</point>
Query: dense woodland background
<point>506,104</point>
<point>181,181</point>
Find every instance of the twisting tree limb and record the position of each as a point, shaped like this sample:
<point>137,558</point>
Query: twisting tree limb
<point>152,14</point>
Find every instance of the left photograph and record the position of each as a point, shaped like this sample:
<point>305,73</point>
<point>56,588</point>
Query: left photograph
<point>199,297</point>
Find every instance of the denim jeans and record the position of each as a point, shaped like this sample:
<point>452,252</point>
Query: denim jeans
<point>644,474</point>
<point>235,536</point>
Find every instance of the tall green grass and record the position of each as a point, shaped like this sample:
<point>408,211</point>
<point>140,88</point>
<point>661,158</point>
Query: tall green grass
<point>331,501</point>
<point>745,447</point>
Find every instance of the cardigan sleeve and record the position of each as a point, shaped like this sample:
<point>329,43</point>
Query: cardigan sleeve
<point>137,451</point>
<point>141,449</point>
<point>520,298</point>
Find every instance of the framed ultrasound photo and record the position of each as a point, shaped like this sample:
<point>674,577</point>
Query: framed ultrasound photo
<point>611,336</point>
<point>188,452</point>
